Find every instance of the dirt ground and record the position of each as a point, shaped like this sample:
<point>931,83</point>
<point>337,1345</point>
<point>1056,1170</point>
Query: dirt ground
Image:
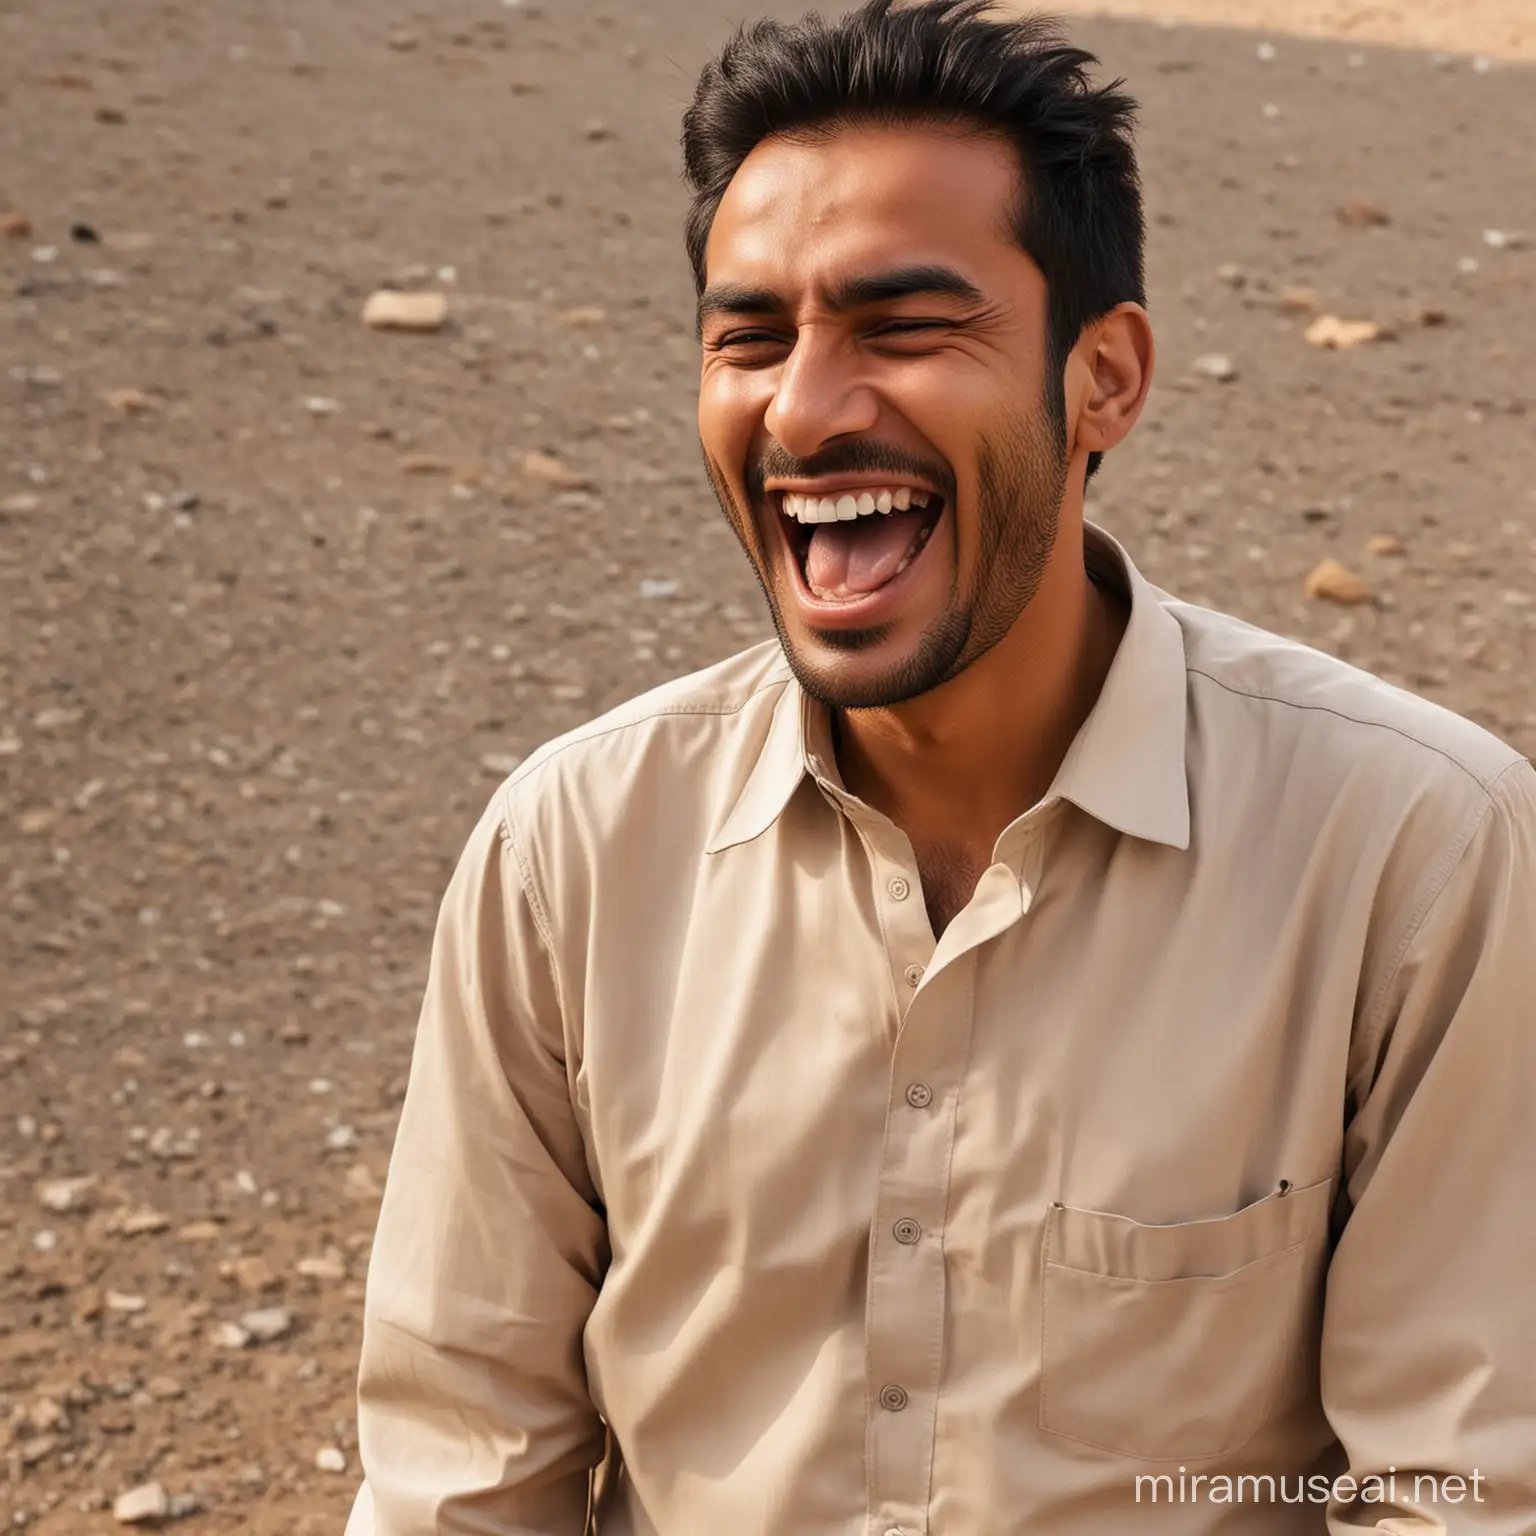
<point>281,597</point>
<point>1489,27</point>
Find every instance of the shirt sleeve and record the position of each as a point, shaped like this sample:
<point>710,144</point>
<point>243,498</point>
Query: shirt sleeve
<point>473,1409</point>
<point>1429,1338</point>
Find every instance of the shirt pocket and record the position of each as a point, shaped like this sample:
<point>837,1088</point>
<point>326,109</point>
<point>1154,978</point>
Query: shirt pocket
<point>1179,1343</point>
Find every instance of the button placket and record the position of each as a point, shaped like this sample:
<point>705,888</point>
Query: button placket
<point>905,1299</point>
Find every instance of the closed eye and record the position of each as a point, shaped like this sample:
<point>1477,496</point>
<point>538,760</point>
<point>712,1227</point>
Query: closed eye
<point>743,339</point>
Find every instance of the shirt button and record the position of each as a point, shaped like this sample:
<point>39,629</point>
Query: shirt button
<point>914,974</point>
<point>899,889</point>
<point>919,1095</point>
<point>907,1231</point>
<point>893,1398</point>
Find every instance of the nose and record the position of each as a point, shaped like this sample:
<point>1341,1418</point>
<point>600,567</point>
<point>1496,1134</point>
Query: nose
<point>819,396</point>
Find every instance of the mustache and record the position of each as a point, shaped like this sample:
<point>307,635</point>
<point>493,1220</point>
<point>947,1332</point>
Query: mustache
<point>856,458</point>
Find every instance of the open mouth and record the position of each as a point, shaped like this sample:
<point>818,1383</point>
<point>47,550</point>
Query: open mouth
<point>853,542</point>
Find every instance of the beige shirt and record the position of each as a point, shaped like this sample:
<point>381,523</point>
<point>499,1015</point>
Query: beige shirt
<point>1202,1144</point>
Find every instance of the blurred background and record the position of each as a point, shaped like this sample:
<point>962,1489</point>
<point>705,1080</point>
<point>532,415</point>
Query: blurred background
<point>283,593</point>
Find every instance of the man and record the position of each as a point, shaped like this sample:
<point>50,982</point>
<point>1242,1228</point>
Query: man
<point>1018,1054</point>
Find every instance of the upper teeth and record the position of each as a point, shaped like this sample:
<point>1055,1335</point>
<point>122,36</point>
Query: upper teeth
<point>843,509</point>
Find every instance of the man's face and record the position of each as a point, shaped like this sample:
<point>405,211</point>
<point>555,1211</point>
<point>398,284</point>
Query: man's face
<point>874,404</point>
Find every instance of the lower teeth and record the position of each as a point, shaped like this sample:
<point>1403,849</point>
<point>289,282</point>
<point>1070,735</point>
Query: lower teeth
<point>913,553</point>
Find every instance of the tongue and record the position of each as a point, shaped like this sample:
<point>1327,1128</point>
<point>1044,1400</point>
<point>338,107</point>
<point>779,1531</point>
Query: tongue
<point>858,556</point>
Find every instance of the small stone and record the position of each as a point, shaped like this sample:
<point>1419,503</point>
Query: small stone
<point>1503,239</point>
<point>1298,301</point>
<point>402,41</point>
<point>341,1138</point>
<point>548,470</point>
<point>1361,215</point>
<point>46,1415</point>
<point>140,1223</point>
<point>597,130</point>
<point>253,1274</point>
<point>20,504</point>
<point>148,1502</point>
<point>1216,365</point>
<point>129,402</point>
<point>1335,583</point>
<point>230,1336</point>
<point>1232,275</point>
<point>120,1301</point>
<point>321,405</point>
<point>64,1195</point>
<point>45,1241</point>
<point>585,314</point>
<point>164,1389</point>
<point>330,1459</point>
<point>14,225</point>
<point>1266,52</point>
<point>268,1324</point>
<point>30,1452</point>
<point>500,764</point>
<point>1334,334</point>
<point>326,1266</point>
<point>389,310</point>
<point>654,588</point>
<point>1385,544</point>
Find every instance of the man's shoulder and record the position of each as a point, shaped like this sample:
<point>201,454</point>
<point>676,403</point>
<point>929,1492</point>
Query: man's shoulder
<point>1337,719</point>
<point>686,739</point>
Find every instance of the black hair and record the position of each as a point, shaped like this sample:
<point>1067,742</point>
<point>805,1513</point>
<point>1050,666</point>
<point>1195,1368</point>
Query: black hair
<point>1079,214</point>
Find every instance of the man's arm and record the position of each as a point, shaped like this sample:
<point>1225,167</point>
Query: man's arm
<point>473,1411</point>
<point>1429,1340</point>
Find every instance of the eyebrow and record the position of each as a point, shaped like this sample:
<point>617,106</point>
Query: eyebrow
<point>850,293</point>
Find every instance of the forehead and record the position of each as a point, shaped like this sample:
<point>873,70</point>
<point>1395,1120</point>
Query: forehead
<point>888,196</point>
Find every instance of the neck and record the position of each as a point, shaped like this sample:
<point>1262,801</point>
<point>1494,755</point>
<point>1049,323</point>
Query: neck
<point>961,762</point>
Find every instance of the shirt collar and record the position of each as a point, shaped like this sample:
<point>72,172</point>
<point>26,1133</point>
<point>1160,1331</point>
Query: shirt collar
<point>1125,767</point>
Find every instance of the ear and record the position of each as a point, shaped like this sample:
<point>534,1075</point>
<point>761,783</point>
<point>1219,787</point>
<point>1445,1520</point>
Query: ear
<point>1108,376</point>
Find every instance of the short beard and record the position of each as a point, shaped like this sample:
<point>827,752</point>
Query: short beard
<point>1021,482</point>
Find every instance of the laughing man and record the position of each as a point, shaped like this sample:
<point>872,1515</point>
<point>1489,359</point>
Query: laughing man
<point>1014,1034</point>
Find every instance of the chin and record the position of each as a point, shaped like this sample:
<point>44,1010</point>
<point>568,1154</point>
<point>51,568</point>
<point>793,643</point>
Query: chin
<point>871,669</point>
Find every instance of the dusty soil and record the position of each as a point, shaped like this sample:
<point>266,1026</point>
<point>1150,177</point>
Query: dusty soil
<point>1488,27</point>
<point>280,597</point>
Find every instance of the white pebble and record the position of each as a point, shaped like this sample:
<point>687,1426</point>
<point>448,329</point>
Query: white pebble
<point>329,1459</point>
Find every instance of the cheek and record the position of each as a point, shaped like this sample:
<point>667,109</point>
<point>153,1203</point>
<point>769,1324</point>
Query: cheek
<point>731,409</point>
